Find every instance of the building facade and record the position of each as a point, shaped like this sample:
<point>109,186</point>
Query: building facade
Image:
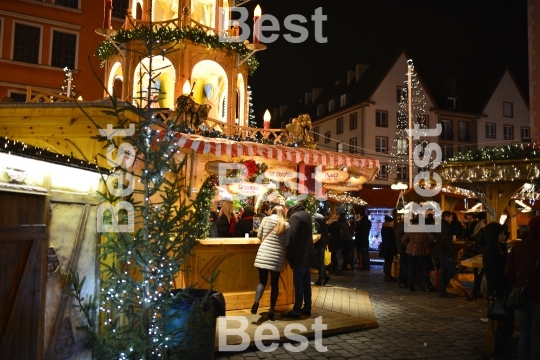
<point>38,39</point>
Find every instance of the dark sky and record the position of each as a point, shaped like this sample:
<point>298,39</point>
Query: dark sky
<point>444,38</point>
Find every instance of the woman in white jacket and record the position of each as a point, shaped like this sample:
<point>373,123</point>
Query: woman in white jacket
<point>274,233</point>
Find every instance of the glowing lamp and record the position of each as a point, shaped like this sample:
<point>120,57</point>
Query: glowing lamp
<point>266,118</point>
<point>186,89</point>
<point>256,24</point>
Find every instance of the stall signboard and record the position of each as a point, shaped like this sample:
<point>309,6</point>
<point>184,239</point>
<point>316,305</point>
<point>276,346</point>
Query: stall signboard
<point>343,186</point>
<point>247,188</point>
<point>280,173</point>
<point>212,167</point>
<point>332,176</point>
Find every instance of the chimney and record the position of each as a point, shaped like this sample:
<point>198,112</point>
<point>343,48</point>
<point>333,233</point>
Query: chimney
<point>307,97</point>
<point>360,68</point>
<point>282,110</point>
<point>350,76</point>
<point>316,93</point>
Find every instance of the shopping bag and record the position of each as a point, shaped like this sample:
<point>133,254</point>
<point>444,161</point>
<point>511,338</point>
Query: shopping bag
<point>327,257</point>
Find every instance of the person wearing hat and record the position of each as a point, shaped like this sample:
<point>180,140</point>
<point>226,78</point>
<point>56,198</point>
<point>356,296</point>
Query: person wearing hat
<point>301,257</point>
<point>388,248</point>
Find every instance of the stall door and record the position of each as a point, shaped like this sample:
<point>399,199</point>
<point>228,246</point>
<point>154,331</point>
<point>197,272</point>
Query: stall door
<point>22,275</point>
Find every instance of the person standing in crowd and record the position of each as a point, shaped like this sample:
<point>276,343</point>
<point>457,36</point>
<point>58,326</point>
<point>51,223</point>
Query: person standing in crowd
<point>476,249</point>
<point>388,247</point>
<point>335,242</point>
<point>445,253</point>
<point>470,225</point>
<point>347,234</point>
<point>319,247</point>
<point>361,241</point>
<point>494,260</point>
<point>399,231</point>
<point>274,233</point>
<point>264,210</point>
<point>226,223</point>
<point>245,224</point>
<point>456,228</point>
<point>414,241</point>
<point>301,257</point>
<point>521,265</point>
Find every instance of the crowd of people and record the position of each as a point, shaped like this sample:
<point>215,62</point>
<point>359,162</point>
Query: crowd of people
<point>286,229</point>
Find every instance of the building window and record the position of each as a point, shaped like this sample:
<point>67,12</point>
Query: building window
<point>339,147</point>
<point>316,133</point>
<point>402,172</point>
<point>508,109</point>
<point>352,146</point>
<point>508,132</point>
<point>17,96</point>
<point>327,137</point>
<point>451,103</point>
<point>463,148</point>
<point>446,150</point>
<point>490,131</point>
<point>119,8</point>
<point>339,125</point>
<point>26,43</point>
<point>319,110</point>
<point>331,106</point>
<point>383,171</point>
<point>464,133</point>
<point>381,118</point>
<point>447,133</point>
<point>353,121</point>
<point>381,144</point>
<point>343,100</point>
<point>402,146</point>
<point>525,133</point>
<point>74,4</point>
<point>401,92</point>
<point>423,121</point>
<point>64,49</point>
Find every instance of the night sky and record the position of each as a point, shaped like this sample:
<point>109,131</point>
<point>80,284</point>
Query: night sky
<point>458,38</point>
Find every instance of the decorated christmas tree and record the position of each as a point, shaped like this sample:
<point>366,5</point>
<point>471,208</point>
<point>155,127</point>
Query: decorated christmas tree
<point>411,115</point>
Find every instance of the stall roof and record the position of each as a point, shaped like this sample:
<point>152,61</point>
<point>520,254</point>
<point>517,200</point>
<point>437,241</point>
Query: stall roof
<point>381,198</point>
<point>219,147</point>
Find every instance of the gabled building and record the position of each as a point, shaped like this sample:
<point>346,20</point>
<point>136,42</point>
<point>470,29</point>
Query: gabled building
<point>360,115</point>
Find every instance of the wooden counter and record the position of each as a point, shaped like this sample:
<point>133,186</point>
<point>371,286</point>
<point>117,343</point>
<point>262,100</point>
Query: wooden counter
<point>237,279</point>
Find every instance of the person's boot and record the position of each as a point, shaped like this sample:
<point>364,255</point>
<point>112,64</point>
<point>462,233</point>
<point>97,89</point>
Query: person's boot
<point>271,314</point>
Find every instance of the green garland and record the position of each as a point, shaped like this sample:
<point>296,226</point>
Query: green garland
<point>509,152</point>
<point>203,205</point>
<point>167,35</point>
<point>310,203</point>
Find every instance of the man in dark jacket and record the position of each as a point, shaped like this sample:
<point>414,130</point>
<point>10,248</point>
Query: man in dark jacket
<point>445,252</point>
<point>320,246</point>
<point>301,257</point>
<point>361,241</point>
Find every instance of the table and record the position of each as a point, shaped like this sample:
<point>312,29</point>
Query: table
<point>474,262</point>
<point>238,278</point>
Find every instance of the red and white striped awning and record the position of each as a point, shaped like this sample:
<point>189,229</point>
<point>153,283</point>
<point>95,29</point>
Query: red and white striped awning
<point>219,147</point>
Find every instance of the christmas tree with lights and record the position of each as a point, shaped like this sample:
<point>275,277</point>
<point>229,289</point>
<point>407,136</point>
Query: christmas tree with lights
<point>411,115</point>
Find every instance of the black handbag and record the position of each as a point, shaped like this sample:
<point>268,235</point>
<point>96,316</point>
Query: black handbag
<point>518,296</point>
<point>496,309</point>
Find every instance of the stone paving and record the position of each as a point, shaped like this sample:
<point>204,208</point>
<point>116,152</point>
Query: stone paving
<point>415,325</point>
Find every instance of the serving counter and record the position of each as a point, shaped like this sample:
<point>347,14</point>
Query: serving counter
<point>238,278</point>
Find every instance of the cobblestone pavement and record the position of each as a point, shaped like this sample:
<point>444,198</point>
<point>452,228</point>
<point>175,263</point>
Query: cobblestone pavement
<point>415,325</point>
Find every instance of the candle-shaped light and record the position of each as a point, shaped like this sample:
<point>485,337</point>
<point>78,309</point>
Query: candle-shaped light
<point>108,13</point>
<point>256,24</point>
<point>186,89</point>
<point>266,118</point>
